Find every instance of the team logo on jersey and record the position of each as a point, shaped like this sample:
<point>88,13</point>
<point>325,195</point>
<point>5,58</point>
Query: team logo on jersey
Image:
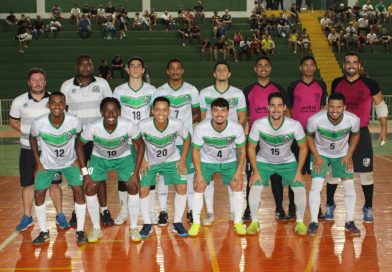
<point>229,139</point>
<point>73,91</point>
<point>366,162</point>
<point>286,138</point>
<point>25,105</point>
<point>122,139</point>
<point>69,135</point>
<point>95,89</point>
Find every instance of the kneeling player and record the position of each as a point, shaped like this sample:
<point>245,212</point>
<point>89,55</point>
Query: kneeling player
<point>328,136</point>
<point>214,142</point>
<point>111,152</point>
<point>275,134</point>
<point>57,132</point>
<point>162,156</point>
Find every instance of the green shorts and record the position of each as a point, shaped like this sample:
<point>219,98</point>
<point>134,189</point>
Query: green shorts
<point>169,172</point>
<point>286,170</point>
<point>45,178</point>
<point>227,171</point>
<point>98,168</point>
<point>190,169</point>
<point>338,168</point>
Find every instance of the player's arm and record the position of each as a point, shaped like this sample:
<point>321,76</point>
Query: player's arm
<point>242,118</point>
<point>14,123</point>
<point>348,159</point>
<point>181,164</point>
<point>34,148</point>
<point>382,115</point>
<point>203,115</point>
<point>241,156</point>
<point>317,160</point>
<point>303,152</point>
<point>196,114</point>
<point>252,159</point>
<point>196,158</point>
<point>80,142</point>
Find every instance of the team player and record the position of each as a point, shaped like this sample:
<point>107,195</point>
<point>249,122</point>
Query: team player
<point>307,96</point>
<point>135,97</point>
<point>24,109</point>
<point>184,105</point>
<point>162,156</point>
<point>360,93</point>
<point>237,112</point>
<point>257,102</point>
<point>275,134</point>
<point>84,93</point>
<point>110,136</point>
<point>218,147</point>
<point>57,133</point>
<point>332,137</point>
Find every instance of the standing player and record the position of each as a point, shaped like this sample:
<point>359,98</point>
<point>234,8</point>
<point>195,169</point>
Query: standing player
<point>111,136</point>
<point>162,156</point>
<point>84,93</point>
<point>307,96</point>
<point>360,93</point>
<point>328,135</point>
<point>237,112</point>
<point>275,134</point>
<point>257,102</point>
<point>219,147</point>
<point>57,132</point>
<point>24,109</point>
<point>184,105</point>
<point>135,97</point>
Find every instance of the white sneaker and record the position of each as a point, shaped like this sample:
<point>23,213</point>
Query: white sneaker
<point>94,235</point>
<point>121,218</point>
<point>208,220</point>
<point>135,235</point>
<point>154,218</point>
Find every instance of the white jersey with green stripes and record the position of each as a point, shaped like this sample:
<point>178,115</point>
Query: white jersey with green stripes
<point>111,145</point>
<point>135,104</point>
<point>275,144</point>
<point>331,140</point>
<point>218,146</point>
<point>57,144</point>
<point>182,100</point>
<point>160,145</point>
<point>233,95</point>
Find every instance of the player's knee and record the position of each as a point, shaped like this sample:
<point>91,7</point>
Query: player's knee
<point>121,186</point>
<point>144,191</point>
<point>78,194</point>
<point>181,189</point>
<point>91,190</point>
<point>39,197</point>
<point>333,181</point>
<point>132,188</point>
<point>366,178</point>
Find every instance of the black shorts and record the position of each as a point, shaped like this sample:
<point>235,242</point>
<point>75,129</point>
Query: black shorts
<point>363,154</point>
<point>27,167</point>
<point>295,150</point>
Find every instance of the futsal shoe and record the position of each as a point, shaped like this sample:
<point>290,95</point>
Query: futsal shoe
<point>253,228</point>
<point>300,228</point>
<point>194,230</point>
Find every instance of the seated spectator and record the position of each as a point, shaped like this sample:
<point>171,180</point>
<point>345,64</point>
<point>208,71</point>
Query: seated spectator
<point>259,7</point>
<point>389,11</point>
<point>253,21</point>
<point>385,39</point>
<point>368,9</point>
<point>187,17</point>
<point>255,45</point>
<point>293,40</point>
<point>351,39</point>
<point>109,28</point>
<point>351,29</point>
<point>110,9</point>
<point>230,49</point>
<point>238,38</point>
<point>216,22</point>
<point>117,65</point>
<point>153,17</point>
<point>226,20</point>
<point>198,9</point>
<point>54,27</point>
<point>121,11</point>
<point>283,27</point>
<point>85,29</point>
<point>363,24</point>
<point>372,40</point>
<point>137,21</point>
<point>306,44</point>
<point>334,39</point>
<point>104,70</point>
<point>245,48</point>
<point>10,21</point>
<point>220,31</point>
<point>23,36</point>
<point>220,48</point>
<point>27,21</point>
<point>326,23</point>
<point>195,33</point>
<point>75,14</point>
<point>184,33</point>
<point>100,15</point>
<point>86,10</point>
<point>206,48</point>
<point>374,25</point>
<point>57,12</point>
<point>93,13</point>
<point>361,41</point>
<point>381,11</point>
<point>267,45</point>
<point>38,27</point>
<point>145,21</point>
<point>168,21</point>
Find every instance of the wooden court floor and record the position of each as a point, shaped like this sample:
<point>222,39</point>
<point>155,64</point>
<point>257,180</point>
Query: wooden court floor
<point>218,248</point>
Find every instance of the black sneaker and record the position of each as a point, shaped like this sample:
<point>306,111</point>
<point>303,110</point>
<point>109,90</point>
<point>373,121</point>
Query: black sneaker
<point>146,230</point>
<point>162,221</point>
<point>189,217</point>
<point>106,218</point>
<point>41,238</point>
<point>247,217</point>
<point>81,238</point>
<point>281,215</point>
<point>292,215</point>
<point>73,221</point>
<point>352,229</point>
<point>312,229</point>
<point>321,216</point>
<point>179,229</point>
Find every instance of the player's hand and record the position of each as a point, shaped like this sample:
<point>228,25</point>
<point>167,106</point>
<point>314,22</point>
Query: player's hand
<point>348,163</point>
<point>87,183</point>
<point>38,167</point>
<point>298,178</point>
<point>317,164</point>
<point>198,182</point>
<point>181,167</point>
<point>254,178</point>
<point>135,179</point>
<point>144,167</point>
<point>382,138</point>
<point>238,178</point>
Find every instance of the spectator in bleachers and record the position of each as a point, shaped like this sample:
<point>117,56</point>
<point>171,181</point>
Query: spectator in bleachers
<point>75,14</point>
<point>293,40</point>
<point>22,36</point>
<point>137,21</point>
<point>221,31</point>
<point>100,15</point>
<point>351,29</point>
<point>184,33</point>
<point>259,7</point>
<point>385,39</point>
<point>255,45</point>
<point>85,29</point>
<point>121,11</point>
<point>195,33</point>
<point>206,48</point>
<point>226,20</point>
<point>109,28</point>
<point>267,45</point>
<point>153,17</point>
<point>276,4</point>
<point>245,49</point>
<point>294,17</point>
<point>216,22</point>
<point>146,21</point>
<point>389,11</point>
<point>363,24</point>
<point>326,23</point>
<point>283,27</point>
<point>188,17</point>
<point>305,44</point>
<point>198,9</point>
<point>117,65</point>
<point>334,39</point>
<point>167,21</point>
<point>368,9</point>
<point>230,49</point>
<point>372,40</point>
<point>104,70</point>
<point>253,21</point>
<point>361,41</point>
<point>93,13</point>
<point>220,48</point>
<point>110,9</point>
<point>54,27</point>
<point>357,9</point>
<point>27,21</point>
<point>123,22</point>
<point>86,10</point>
<point>57,12</point>
<point>351,39</point>
<point>381,11</point>
<point>10,20</point>
<point>374,24</point>
<point>238,38</point>
<point>38,27</point>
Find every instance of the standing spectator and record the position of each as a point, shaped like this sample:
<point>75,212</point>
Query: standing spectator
<point>84,27</point>
<point>9,21</point>
<point>245,49</point>
<point>38,27</point>
<point>226,20</point>
<point>216,22</point>
<point>123,22</point>
<point>294,10</point>
<point>206,48</point>
<point>57,12</point>
<point>104,70</point>
<point>75,14</point>
<point>199,11</point>
<point>117,65</point>
<point>22,36</point>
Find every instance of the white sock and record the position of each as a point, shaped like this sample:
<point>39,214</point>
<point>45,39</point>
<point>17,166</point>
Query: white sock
<point>151,197</point>
<point>314,198</point>
<point>238,203</point>
<point>300,202</point>
<point>179,207</point>
<point>350,197</point>
<point>209,197</point>
<point>80,210</point>
<point>123,196</point>
<point>254,201</point>
<point>197,207</point>
<point>93,210</point>
<point>133,207</point>
<point>162,194</point>
<point>230,199</point>
<point>145,208</point>
<point>103,209</point>
<point>40,212</point>
<point>189,190</point>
